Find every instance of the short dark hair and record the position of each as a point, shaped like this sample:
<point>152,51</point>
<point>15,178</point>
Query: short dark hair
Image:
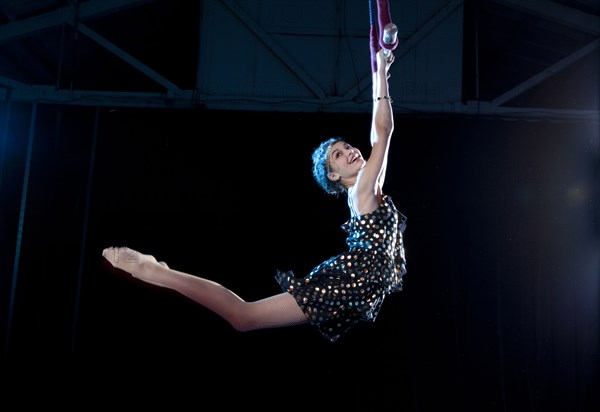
<point>321,167</point>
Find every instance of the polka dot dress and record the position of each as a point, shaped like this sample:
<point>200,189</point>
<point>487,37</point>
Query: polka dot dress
<point>351,286</point>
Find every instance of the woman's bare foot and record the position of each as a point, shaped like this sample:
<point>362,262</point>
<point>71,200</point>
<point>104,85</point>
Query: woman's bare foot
<point>131,261</point>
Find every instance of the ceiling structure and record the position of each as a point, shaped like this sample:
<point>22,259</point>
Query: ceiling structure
<point>525,58</point>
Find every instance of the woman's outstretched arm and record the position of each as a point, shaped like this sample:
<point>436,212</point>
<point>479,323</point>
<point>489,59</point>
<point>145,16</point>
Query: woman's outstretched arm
<point>382,125</point>
<point>369,183</point>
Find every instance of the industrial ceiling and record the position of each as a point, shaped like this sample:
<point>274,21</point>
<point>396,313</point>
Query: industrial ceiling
<point>522,58</point>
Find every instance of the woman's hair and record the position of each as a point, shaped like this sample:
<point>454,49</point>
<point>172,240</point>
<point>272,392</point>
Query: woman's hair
<point>321,167</point>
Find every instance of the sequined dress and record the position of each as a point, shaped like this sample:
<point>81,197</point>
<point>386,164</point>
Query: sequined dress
<point>352,286</point>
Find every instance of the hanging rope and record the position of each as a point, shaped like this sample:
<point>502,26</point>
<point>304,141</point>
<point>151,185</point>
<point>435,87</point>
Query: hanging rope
<point>383,32</point>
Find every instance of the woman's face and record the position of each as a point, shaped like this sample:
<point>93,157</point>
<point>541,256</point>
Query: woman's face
<point>344,160</point>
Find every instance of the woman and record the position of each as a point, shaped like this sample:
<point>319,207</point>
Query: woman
<point>344,289</point>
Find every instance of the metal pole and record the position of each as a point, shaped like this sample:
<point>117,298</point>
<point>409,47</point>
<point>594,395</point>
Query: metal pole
<point>20,228</point>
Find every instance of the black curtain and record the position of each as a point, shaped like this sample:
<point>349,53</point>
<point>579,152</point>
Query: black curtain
<point>499,310</point>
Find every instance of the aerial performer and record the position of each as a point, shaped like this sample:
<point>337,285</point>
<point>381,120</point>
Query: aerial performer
<point>347,288</point>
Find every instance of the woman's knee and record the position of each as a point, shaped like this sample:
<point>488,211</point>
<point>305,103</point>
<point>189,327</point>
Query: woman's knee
<point>244,324</point>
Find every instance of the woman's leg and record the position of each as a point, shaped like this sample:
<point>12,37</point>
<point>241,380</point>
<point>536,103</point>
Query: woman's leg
<point>272,312</point>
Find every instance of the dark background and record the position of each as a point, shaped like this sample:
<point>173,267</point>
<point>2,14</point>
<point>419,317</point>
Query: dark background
<point>499,310</point>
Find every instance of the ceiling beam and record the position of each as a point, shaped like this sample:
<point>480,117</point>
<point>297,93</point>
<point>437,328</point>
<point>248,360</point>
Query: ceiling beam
<point>5,81</point>
<point>188,99</point>
<point>117,51</point>
<point>558,13</point>
<point>49,95</point>
<point>545,74</point>
<point>89,9</point>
